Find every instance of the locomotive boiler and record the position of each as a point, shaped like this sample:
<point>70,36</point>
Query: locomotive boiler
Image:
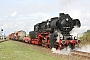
<point>55,32</point>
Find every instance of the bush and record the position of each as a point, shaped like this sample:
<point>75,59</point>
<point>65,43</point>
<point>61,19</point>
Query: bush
<point>86,37</point>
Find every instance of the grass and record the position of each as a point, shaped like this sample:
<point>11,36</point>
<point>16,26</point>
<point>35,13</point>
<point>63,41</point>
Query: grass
<point>10,50</point>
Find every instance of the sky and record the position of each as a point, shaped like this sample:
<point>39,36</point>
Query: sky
<point>18,15</point>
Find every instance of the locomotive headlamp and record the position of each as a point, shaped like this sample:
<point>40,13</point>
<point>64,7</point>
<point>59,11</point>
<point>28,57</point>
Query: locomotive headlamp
<point>67,19</point>
<point>79,41</point>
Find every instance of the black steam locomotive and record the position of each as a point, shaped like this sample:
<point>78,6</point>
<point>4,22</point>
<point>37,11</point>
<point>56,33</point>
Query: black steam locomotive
<point>55,32</point>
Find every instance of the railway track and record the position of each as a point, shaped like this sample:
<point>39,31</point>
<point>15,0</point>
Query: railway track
<point>81,54</point>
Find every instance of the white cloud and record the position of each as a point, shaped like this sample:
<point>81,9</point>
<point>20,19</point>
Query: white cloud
<point>75,14</point>
<point>39,17</point>
<point>24,22</point>
<point>14,13</point>
<point>88,14</point>
<point>40,14</point>
<point>84,28</point>
<point>0,19</point>
<point>30,14</point>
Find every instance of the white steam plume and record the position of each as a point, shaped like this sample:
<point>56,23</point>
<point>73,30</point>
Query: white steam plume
<point>85,48</point>
<point>65,51</point>
<point>76,32</point>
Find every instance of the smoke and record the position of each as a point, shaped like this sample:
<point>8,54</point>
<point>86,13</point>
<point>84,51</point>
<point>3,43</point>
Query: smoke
<point>68,51</point>
<point>85,48</point>
<point>76,32</point>
<point>65,51</point>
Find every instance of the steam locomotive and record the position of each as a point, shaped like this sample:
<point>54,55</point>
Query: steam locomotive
<point>53,33</point>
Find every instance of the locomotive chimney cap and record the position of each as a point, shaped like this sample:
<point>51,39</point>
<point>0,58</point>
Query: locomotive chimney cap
<point>60,14</point>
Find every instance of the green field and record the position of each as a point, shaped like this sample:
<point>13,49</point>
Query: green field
<point>11,50</point>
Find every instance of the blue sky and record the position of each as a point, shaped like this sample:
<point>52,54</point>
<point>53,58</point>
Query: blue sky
<point>23,14</point>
